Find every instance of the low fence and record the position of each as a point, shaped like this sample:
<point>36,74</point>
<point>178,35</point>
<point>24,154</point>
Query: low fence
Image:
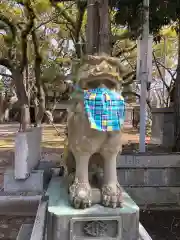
<point>36,231</point>
<point>152,180</point>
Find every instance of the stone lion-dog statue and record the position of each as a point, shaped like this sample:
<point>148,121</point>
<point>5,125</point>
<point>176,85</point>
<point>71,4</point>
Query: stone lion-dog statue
<point>91,149</point>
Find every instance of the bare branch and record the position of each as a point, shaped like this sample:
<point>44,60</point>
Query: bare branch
<point>79,20</point>
<point>125,50</point>
<point>47,21</point>
<point>63,12</point>
<point>25,32</point>
<point>123,36</point>
<point>76,28</point>
<point>160,74</point>
<point>127,76</point>
<point>8,26</point>
<point>57,13</point>
<point>167,69</point>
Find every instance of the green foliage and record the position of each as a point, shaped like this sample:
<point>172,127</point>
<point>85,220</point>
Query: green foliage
<point>56,25</point>
<point>162,13</point>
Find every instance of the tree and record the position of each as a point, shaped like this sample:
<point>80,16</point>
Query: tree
<point>14,56</point>
<point>162,13</point>
<point>43,56</point>
<point>28,49</point>
<point>164,66</point>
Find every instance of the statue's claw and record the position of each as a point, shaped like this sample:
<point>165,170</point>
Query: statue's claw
<point>80,195</point>
<point>110,197</point>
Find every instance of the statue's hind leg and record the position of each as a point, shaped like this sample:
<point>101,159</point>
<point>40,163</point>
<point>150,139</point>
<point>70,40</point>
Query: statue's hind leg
<point>80,191</point>
<point>111,191</point>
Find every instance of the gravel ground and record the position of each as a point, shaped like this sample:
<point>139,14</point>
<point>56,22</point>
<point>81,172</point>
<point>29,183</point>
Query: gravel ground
<point>9,226</point>
<point>161,225</point>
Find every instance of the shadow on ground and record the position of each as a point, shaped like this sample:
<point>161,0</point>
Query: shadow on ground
<point>161,225</point>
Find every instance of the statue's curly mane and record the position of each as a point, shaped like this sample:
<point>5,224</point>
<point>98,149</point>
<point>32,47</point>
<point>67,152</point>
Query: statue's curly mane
<point>103,67</point>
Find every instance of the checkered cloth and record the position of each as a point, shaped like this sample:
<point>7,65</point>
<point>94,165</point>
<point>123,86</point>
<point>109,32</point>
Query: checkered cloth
<point>105,109</point>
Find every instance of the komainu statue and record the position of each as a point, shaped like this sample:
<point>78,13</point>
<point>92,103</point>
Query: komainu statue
<point>94,132</point>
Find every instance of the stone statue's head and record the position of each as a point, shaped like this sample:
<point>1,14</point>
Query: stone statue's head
<point>100,71</point>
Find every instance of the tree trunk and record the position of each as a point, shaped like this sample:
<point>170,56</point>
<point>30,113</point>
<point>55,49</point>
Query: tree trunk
<point>104,40</point>
<point>177,101</point>
<point>25,117</point>
<point>6,114</point>
<point>98,27</point>
<point>40,92</point>
<point>39,85</point>
<point>36,109</point>
<point>2,98</point>
<point>93,24</point>
<point>41,106</point>
<point>5,105</point>
<point>23,100</point>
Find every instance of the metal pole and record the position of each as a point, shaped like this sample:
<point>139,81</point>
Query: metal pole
<point>144,78</point>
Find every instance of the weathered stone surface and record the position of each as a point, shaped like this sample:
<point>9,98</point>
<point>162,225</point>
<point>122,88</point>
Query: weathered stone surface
<point>95,222</point>
<point>131,177</point>
<point>128,116</point>
<point>39,227</point>
<point>27,152</point>
<point>155,197</point>
<point>151,180</point>
<point>149,177</point>
<point>173,176</point>
<point>163,126</point>
<point>155,177</point>
<point>148,170</point>
<point>25,232</point>
<point>149,160</point>
<point>34,183</point>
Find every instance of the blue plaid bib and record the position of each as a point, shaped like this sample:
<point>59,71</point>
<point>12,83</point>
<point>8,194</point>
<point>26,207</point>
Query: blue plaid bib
<point>105,109</point>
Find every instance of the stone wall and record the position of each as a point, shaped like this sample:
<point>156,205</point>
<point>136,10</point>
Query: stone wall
<point>152,180</point>
<point>162,131</point>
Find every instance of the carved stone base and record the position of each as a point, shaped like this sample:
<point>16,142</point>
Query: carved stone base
<point>97,222</point>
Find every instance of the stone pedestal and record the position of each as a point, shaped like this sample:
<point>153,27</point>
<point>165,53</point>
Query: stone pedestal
<point>34,183</point>
<point>128,116</point>
<point>27,152</point>
<point>162,131</point>
<point>97,222</point>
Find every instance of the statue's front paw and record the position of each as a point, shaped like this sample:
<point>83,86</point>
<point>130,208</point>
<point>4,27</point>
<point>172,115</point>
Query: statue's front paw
<point>112,196</point>
<point>80,195</point>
